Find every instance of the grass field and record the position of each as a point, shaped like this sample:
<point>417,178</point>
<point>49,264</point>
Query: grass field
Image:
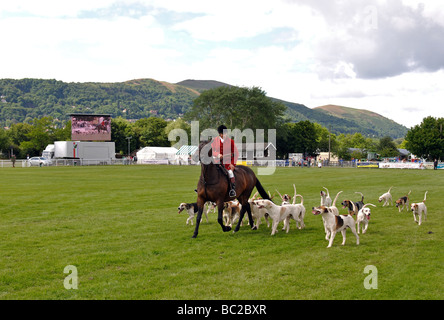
<point>119,227</point>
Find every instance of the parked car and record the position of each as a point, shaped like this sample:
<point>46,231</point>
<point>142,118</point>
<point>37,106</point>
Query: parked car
<point>39,161</point>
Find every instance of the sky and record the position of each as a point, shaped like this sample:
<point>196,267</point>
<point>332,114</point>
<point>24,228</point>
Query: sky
<point>386,56</point>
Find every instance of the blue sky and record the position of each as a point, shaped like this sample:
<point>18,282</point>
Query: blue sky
<point>385,56</point>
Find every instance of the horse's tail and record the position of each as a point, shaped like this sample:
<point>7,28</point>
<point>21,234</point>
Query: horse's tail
<point>261,190</point>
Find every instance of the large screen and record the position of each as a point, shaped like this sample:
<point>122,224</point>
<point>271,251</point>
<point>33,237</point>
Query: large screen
<point>90,127</point>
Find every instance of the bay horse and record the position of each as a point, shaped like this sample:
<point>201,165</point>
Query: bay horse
<point>213,186</point>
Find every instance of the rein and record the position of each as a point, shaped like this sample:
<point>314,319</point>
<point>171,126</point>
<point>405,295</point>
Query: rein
<point>204,173</point>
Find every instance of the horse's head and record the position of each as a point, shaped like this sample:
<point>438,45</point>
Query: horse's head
<point>205,152</point>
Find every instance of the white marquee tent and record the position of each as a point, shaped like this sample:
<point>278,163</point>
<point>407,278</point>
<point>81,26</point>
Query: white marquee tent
<point>184,153</point>
<point>156,155</point>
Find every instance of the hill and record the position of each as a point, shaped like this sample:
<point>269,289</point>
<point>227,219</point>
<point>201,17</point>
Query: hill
<point>372,123</point>
<point>25,99</point>
<point>202,85</point>
<point>338,119</point>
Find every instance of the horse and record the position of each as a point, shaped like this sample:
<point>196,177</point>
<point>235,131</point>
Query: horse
<point>213,186</point>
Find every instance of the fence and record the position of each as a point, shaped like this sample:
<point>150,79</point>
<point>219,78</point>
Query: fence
<point>261,163</point>
<point>82,162</point>
<point>67,162</point>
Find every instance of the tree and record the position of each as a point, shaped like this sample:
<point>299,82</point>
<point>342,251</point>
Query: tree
<point>151,132</point>
<point>300,137</point>
<point>236,107</point>
<point>178,124</point>
<point>387,148</point>
<point>426,140</point>
<point>326,140</point>
<point>120,130</point>
<point>40,135</point>
<point>356,140</point>
<point>5,142</point>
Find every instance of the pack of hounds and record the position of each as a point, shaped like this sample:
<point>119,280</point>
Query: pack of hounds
<point>290,210</point>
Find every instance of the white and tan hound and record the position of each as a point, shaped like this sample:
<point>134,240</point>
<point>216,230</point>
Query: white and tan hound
<point>419,208</point>
<point>335,223</point>
<point>364,217</point>
<point>386,197</point>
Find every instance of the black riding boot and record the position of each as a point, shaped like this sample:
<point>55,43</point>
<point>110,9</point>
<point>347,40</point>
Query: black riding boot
<point>232,192</point>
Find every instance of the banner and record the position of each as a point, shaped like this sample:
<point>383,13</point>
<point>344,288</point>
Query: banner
<point>401,165</point>
<point>367,165</point>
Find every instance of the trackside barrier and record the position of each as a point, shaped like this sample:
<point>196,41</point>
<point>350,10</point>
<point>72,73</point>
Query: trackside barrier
<point>257,163</point>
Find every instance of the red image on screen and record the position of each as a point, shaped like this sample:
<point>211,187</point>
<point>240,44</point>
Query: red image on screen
<point>90,127</point>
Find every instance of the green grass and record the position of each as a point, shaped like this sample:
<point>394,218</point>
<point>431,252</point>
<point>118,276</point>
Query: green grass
<point>119,226</point>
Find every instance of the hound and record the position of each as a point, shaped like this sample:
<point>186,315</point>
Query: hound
<point>298,215</point>
<point>335,224</point>
<point>386,197</point>
<point>333,209</point>
<point>353,207</point>
<point>403,202</point>
<point>231,212</point>
<point>211,207</point>
<point>277,213</point>
<point>191,208</point>
<point>364,217</point>
<point>325,198</point>
<point>300,210</point>
<point>258,213</point>
<point>419,208</point>
<point>286,198</point>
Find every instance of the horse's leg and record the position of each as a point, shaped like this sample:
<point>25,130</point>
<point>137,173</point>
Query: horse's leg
<point>245,207</point>
<point>250,217</point>
<point>241,217</point>
<point>220,219</point>
<point>200,207</point>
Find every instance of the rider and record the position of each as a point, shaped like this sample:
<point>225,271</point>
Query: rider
<point>226,153</point>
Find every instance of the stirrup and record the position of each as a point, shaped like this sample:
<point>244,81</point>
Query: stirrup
<point>232,193</point>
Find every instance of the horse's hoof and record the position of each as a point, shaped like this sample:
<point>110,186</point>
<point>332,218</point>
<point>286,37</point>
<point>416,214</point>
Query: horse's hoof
<point>194,236</point>
<point>254,228</point>
<point>226,229</point>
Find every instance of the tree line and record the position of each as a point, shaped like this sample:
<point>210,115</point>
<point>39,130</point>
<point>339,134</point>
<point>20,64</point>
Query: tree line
<point>235,107</point>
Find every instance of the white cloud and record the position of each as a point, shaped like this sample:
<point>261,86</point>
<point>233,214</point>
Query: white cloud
<point>383,55</point>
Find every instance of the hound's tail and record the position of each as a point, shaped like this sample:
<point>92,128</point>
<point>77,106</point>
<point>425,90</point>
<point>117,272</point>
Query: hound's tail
<point>261,190</point>
<point>336,198</point>
<point>368,204</point>
<point>328,193</point>
<point>362,199</point>
<point>425,197</point>
<point>302,198</point>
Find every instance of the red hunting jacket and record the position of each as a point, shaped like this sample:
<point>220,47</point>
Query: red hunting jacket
<point>227,148</point>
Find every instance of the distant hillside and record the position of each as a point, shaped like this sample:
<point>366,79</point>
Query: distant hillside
<point>25,99</point>
<point>202,85</point>
<point>370,122</point>
<point>141,98</point>
<point>354,120</point>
